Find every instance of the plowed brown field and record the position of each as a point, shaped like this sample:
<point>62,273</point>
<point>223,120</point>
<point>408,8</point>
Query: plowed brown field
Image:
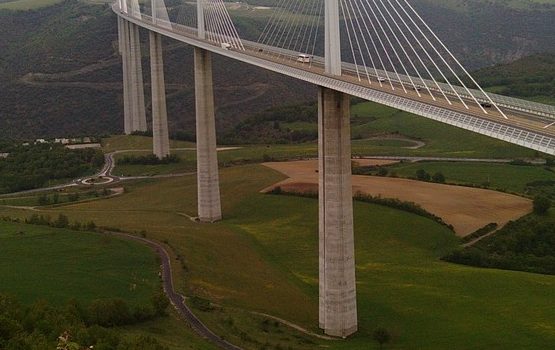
<point>466,208</point>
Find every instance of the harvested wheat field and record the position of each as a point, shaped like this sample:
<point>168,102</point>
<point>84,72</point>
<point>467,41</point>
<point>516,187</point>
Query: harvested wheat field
<point>466,208</point>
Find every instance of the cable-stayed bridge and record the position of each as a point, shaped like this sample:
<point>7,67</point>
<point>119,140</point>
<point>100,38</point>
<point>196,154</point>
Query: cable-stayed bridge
<point>378,50</point>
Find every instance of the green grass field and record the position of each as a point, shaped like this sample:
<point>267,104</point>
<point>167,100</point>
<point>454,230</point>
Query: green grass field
<point>124,142</point>
<point>263,257</point>
<point>441,140</point>
<point>58,264</point>
<point>507,177</point>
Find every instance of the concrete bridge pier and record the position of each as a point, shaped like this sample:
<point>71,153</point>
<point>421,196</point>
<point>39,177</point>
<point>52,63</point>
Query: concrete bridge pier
<point>337,302</point>
<point>160,137</point>
<point>124,46</point>
<point>208,183</point>
<point>137,98</point>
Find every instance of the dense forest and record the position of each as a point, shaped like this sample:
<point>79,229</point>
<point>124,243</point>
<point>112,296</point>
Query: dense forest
<point>529,77</point>
<point>34,166</point>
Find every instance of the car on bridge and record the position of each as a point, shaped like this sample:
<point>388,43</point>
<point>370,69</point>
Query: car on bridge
<point>304,58</point>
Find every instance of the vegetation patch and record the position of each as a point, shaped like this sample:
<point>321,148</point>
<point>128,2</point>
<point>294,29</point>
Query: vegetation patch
<point>527,244</point>
<point>73,326</point>
<point>34,166</point>
<point>480,232</point>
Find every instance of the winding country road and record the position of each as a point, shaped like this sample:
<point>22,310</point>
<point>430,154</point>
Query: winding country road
<point>175,298</point>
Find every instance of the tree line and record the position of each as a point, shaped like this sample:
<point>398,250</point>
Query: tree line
<point>33,166</point>
<point>75,325</point>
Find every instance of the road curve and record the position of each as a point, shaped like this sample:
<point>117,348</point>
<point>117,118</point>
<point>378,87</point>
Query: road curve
<point>175,298</point>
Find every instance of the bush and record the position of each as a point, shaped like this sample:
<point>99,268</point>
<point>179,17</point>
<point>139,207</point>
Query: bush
<point>160,303</point>
<point>61,222</point>
<point>109,313</point>
<point>541,205</point>
<point>200,303</point>
<point>438,177</point>
<point>382,336</point>
<point>422,175</point>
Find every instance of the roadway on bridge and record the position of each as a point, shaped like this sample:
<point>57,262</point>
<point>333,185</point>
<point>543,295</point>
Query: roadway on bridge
<point>516,118</point>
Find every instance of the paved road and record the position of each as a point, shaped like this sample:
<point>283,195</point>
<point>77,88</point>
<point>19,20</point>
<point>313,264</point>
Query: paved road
<point>175,298</point>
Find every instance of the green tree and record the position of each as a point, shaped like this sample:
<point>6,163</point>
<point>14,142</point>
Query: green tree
<point>422,175</point>
<point>160,303</point>
<point>541,205</point>
<point>61,222</point>
<point>382,336</point>
<point>382,171</point>
<point>43,200</point>
<point>438,177</point>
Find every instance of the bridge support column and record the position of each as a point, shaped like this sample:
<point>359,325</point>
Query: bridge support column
<point>160,137</point>
<point>136,80</point>
<point>337,302</point>
<point>208,184</point>
<point>125,57</point>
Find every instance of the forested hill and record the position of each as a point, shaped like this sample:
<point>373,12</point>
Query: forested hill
<point>532,77</point>
<point>60,74</point>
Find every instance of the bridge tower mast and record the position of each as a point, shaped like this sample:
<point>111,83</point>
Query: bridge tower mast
<point>200,20</point>
<point>337,289</point>
<point>332,54</point>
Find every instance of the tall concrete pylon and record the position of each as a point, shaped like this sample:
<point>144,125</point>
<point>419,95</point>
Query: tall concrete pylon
<point>337,299</point>
<point>136,80</point>
<point>126,65</point>
<point>160,136</point>
<point>208,183</point>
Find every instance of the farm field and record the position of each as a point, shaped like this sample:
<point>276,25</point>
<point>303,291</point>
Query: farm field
<point>263,257</point>
<point>505,177</point>
<point>467,209</point>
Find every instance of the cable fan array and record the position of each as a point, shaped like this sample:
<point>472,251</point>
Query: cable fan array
<point>295,27</point>
<point>389,43</point>
<point>218,24</point>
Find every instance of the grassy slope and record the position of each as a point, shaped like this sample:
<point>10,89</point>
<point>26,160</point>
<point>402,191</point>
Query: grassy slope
<point>263,257</point>
<point>57,264</point>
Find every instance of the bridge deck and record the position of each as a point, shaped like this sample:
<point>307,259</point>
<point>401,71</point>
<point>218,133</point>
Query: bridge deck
<point>529,129</point>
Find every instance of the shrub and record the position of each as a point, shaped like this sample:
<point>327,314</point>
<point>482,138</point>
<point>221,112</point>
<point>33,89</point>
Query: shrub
<point>438,177</point>
<point>541,205</point>
<point>200,303</point>
<point>382,336</point>
<point>422,175</point>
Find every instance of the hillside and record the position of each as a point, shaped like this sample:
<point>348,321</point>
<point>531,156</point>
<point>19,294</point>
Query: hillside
<point>60,74</point>
<point>531,77</point>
